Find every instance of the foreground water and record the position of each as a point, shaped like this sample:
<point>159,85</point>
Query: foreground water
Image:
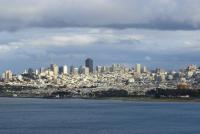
<point>75,116</point>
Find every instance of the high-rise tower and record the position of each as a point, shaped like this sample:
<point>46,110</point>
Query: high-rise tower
<point>55,70</point>
<point>89,64</point>
<point>138,68</point>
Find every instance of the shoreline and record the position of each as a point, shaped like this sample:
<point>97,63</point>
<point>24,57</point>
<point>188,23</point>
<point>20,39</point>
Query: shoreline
<point>148,99</point>
<point>138,99</point>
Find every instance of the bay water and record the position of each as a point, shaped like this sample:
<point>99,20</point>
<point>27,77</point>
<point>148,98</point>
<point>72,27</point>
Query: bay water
<point>81,116</point>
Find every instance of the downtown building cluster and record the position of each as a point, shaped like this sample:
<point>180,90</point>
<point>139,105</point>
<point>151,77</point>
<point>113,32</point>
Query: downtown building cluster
<point>86,79</point>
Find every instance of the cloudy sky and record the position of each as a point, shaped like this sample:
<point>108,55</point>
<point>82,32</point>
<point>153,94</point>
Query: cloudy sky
<point>156,33</point>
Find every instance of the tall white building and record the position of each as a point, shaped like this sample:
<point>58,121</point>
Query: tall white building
<point>63,70</point>
<point>36,71</point>
<point>138,68</point>
<point>7,75</point>
<point>55,70</point>
<point>144,69</point>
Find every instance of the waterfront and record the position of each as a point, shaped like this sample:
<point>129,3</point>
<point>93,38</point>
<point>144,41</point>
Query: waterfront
<point>78,116</point>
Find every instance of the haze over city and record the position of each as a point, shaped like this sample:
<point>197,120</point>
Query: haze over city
<point>155,33</point>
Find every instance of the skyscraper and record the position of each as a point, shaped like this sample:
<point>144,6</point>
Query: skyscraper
<point>7,75</point>
<point>55,69</point>
<point>30,71</point>
<point>63,69</point>
<point>71,69</point>
<point>84,70</point>
<point>144,69</point>
<point>138,68</point>
<point>89,64</point>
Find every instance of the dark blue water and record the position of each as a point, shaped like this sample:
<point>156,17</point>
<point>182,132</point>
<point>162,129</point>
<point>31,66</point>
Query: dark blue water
<point>75,116</point>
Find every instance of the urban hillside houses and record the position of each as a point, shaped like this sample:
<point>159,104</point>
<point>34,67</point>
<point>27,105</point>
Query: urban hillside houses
<point>87,79</point>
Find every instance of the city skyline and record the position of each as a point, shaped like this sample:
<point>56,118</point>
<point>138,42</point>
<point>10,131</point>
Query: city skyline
<point>163,33</point>
<point>94,66</point>
<point>89,65</point>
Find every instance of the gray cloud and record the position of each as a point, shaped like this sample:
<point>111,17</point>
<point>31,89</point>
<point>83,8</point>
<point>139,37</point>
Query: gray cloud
<point>152,14</point>
<point>157,33</point>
